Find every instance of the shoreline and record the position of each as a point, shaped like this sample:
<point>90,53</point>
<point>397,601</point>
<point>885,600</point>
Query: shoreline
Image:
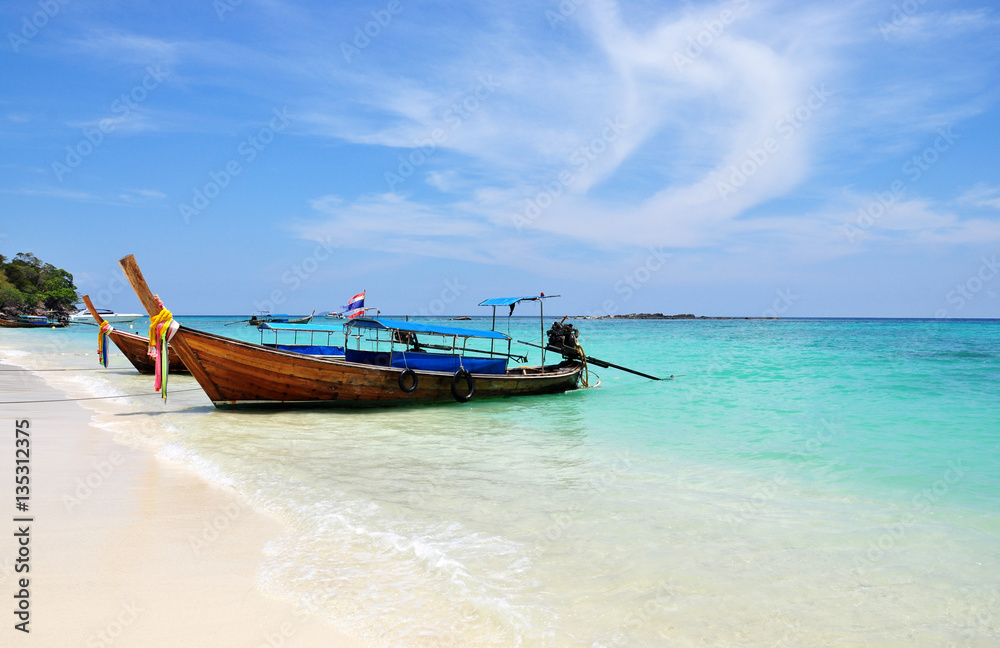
<point>131,549</point>
<point>661,316</point>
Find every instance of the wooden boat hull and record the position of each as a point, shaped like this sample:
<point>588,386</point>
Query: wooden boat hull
<point>4,323</point>
<point>134,348</point>
<point>240,374</point>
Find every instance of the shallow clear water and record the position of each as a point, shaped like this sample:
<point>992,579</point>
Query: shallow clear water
<point>801,482</point>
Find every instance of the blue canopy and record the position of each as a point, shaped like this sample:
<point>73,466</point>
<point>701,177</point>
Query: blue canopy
<point>508,301</point>
<point>416,327</point>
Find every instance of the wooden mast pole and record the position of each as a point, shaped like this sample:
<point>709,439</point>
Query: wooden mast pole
<point>93,311</point>
<point>187,356</point>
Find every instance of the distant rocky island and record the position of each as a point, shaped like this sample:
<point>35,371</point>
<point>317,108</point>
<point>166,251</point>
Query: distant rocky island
<point>683,316</point>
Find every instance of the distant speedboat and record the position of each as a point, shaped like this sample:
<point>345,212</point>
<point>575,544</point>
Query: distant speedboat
<point>84,317</point>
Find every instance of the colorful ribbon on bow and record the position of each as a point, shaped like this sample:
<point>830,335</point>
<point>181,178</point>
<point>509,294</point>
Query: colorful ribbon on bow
<point>102,343</point>
<point>161,328</point>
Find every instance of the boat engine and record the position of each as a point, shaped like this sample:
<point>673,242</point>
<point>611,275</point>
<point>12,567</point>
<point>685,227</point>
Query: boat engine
<point>563,338</point>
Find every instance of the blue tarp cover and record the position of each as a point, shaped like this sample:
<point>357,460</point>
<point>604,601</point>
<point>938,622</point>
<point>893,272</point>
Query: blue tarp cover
<point>449,363</point>
<point>416,327</point>
<point>309,349</point>
<point>427,361</point>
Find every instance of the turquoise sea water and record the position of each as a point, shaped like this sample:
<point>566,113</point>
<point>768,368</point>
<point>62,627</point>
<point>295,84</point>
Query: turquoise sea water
<point>800,483</point>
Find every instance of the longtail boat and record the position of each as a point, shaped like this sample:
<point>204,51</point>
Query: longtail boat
<point>235,373</point>
<point>31,321</point>
<point>264,317</point>
<point>134,346</point>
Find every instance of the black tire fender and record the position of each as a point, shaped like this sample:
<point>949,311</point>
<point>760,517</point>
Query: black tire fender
<point>470,383</point>
<point>403,378</point>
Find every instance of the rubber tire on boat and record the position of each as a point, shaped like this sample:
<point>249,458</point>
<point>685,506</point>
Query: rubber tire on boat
<point>470,382</point>
<point>402,381</point>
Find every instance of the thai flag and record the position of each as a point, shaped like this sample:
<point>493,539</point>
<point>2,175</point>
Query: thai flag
<point>356,306</point>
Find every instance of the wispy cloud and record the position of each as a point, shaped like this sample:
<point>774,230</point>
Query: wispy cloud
<point>982,195</point>
<point>125,197</point>
<point>142,195</point>
<point>923,25</point>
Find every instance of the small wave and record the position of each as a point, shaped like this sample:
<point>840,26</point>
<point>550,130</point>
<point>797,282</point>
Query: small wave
<point>206,469</point>
<point>358,550</point>
<point>94,386</point>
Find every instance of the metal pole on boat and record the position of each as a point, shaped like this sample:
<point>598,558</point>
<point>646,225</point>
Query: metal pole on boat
<point>541,324</point>
<point>494,328</point>
<point>574,355</point>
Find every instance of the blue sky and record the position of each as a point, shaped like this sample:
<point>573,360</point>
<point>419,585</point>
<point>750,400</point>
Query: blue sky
<point>734,158</point>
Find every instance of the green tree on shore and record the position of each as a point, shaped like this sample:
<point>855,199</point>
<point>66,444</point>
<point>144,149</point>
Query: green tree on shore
<point>28,286</point>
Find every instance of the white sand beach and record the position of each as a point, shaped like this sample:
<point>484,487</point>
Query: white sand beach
<point>130,550</point>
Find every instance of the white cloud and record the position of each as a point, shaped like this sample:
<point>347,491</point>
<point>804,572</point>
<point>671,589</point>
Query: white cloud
<point>925,25</point>
<point>982,195</point>
<point>714,107</point>
<point>141,195</point>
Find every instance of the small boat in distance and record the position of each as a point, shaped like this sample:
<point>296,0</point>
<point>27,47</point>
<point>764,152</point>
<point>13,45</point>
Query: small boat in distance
<point>84,316</point>
<point>264,317</point>
<point>31,321</point>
